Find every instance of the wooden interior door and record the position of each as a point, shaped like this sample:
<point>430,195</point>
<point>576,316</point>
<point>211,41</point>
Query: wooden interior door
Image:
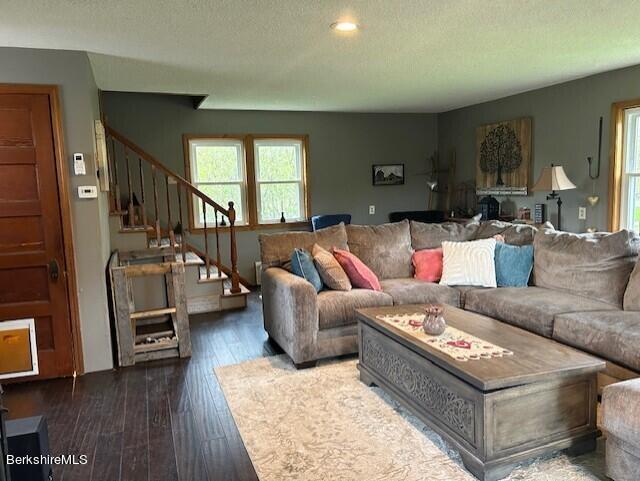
<point>32,264</point>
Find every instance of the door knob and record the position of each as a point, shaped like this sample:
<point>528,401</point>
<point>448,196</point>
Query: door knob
<point>54,271</point>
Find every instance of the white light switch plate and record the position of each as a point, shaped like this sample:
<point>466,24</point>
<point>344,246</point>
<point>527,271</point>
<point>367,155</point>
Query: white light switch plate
<point>87,192</point>
<point>582,213</point>
<point>372,209</point>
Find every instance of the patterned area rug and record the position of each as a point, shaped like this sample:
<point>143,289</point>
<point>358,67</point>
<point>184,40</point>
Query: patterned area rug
<point>323,424</point>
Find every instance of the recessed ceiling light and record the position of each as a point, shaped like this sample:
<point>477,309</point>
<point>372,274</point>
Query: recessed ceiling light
<point>344,26</point>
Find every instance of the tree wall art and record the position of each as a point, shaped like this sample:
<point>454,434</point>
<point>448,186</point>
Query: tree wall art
<point>503,157</point>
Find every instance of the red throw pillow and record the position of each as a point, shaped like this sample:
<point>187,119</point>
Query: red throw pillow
<point>359,274</point>
<point>428,264</point>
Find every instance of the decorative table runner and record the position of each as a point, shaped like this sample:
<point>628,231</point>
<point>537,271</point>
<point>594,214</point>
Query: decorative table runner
<point>453,342</point>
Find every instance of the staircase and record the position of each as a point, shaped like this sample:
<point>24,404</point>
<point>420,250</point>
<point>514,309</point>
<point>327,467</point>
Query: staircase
<point>148,209</point>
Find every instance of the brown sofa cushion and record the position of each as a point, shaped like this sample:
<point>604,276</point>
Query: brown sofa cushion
<point>631,301</point>
<point>621,412</point>
<point>385,249</point>
<point>276,249</point>
<point>596,266</point>
<point>430,236</point>
<point>464,290</point>
<point>532,308</point>
<point>614,335</point>
<point>338,308</point>
<point>414,291</point>
<point>515,234</point>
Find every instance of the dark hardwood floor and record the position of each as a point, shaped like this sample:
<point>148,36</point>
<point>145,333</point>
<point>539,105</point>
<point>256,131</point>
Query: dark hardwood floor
<point>162,421</point>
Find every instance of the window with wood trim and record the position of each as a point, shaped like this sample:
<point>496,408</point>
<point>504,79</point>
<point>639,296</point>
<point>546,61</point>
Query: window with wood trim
<point>279,172</point>
<point>624,196</point>
<point>265,176</point>
<point>217,167</point>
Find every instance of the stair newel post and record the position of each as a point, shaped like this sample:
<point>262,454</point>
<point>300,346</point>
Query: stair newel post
<point>130,209</point>
<point>206,239</point>
<point>172,238</point>
<point>218,246</point>
<point>183,243</point>
<point>155,203</point>
<point>235,277</point>
<point>142,195</point>
<point>115,175</point>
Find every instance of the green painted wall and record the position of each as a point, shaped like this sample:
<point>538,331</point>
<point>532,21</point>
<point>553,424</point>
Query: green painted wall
<point>565,132</point>
<point>343,146</point>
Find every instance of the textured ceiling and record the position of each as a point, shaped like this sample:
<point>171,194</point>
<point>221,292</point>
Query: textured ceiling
<point>411,55</point>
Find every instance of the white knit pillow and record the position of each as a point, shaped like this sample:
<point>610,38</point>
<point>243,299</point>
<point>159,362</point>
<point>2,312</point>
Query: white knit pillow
<point>469,263</point>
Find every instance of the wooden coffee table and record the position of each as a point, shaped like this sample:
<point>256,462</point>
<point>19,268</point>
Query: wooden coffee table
<point>497,411</point>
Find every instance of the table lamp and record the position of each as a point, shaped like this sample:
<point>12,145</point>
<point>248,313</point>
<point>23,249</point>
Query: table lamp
<point>554,179</point>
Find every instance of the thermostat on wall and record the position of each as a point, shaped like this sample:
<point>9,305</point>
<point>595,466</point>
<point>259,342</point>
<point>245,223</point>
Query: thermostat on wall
<point>79,168</point>
<point>87,192</point>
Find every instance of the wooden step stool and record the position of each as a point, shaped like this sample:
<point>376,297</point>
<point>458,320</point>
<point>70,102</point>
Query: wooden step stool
<point>157,339</point>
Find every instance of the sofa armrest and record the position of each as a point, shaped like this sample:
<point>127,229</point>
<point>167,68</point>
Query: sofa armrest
<point>621,411</point>
<point>290,309</point>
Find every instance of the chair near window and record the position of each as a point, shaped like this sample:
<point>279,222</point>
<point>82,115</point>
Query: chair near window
<point>327,220</point>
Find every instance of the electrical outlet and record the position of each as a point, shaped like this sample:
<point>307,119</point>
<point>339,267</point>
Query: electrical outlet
<point>582,213</point>
<point>372,209</point>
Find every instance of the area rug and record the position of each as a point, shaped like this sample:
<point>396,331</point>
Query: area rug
<point>323,424</point>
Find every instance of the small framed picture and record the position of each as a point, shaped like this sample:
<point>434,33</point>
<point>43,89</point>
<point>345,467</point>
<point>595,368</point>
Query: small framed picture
<point>388,174</point>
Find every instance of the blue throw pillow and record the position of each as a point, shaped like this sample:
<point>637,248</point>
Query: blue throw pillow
<point>302,265</point>
<point>513,265</point>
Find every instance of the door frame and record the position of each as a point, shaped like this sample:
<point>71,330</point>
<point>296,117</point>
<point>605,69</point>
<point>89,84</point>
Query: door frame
<point>52,91</point>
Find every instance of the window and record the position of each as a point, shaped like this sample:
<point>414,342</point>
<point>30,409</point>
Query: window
<point>265,177</point>
<point>217,168</point>
<point>624,178</point>
<point>279,180</point>
<point>630,198</point>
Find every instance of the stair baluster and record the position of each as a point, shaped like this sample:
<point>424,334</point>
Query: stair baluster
<point>130,209</point>
<point>155,204</point>
<point>114,177</point>
<point>235,276</point>
<point>183,240</point>
<point>172,236</point>
<point>218,261</point>
<point>142,196</point>
<point>206,239</point>
<point>191,191</point>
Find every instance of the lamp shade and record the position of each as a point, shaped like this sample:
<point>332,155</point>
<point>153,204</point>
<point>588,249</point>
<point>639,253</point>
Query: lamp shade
<point>553,178</point>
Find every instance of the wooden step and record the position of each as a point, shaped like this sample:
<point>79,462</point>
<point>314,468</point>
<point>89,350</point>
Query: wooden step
<point>165,241</point>
<point>152,313</point>
<point>214,274</point>
<point>192,259</point>
<point>243,292</point>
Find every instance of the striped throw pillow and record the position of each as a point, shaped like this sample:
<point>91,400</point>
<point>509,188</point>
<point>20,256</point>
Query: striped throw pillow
<point>469,263</point>
<point>330,270</point>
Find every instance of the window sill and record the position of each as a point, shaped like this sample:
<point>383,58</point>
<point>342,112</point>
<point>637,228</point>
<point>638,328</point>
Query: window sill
<point>258,227</point>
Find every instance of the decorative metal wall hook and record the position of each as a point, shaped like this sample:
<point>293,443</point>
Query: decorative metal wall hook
<point>589,159</point>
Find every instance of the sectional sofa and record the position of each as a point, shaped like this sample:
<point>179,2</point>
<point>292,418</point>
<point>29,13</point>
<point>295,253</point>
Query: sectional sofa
<point>584,291</point>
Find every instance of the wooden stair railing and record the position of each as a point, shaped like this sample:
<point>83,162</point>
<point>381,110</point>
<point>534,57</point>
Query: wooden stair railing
<point>136,208</point>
